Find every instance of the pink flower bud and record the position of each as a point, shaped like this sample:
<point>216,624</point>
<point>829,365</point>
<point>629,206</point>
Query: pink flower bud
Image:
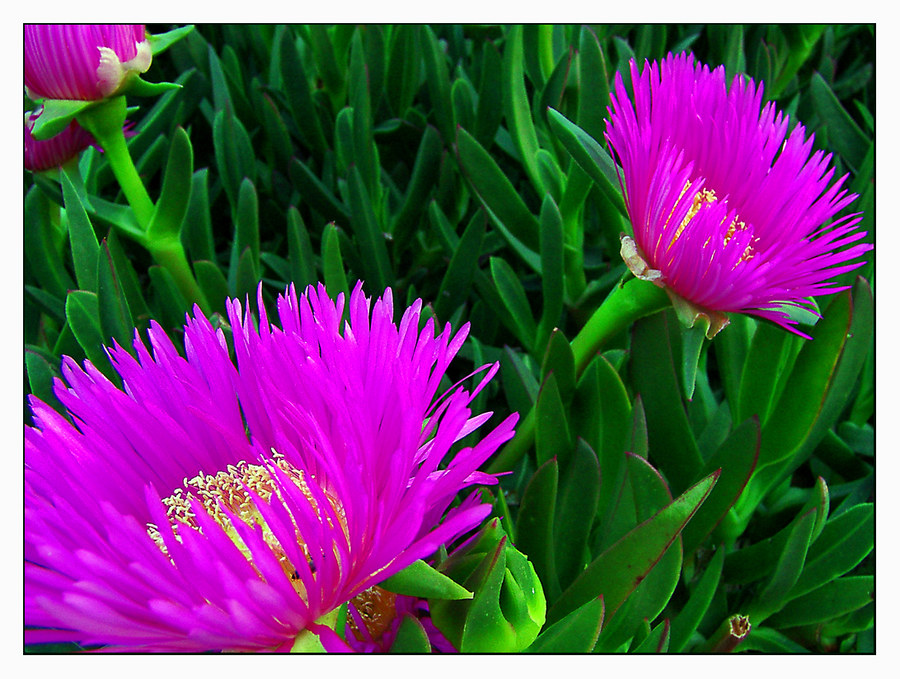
<point>85,62</point>
<point>45,155</point>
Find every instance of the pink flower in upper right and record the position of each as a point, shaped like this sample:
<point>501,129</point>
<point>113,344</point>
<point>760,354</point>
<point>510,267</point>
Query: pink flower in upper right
<point>730,212</point>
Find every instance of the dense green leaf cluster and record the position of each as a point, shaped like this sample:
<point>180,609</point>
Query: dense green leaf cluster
<point>670,483</point>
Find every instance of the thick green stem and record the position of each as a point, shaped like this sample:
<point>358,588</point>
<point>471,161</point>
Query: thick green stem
<point>626,303</point>
<point>105,122</point>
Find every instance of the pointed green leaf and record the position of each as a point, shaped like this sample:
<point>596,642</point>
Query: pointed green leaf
<point>690,615</point>
<point>411,637</point>
<point>85,248</point>
<point>843,543</point>
<point>513,295</point>
<point>299,98</point>
<point>160,42</point>
<point>516,108</point>
<point>833,599</point>
<point>496,192</point>
<point>657,641</point>
<point>41,239</point>
<point>457,280</point>
<point>489,111</point>
<point>592,157</point>
<point>196,233</point>
<point>559,360</point>
<point>421,580</point>
<point>41,373</point>
<point>234,153</point>
<point>790,564</point>
<point>333,264</point>
<point>552,438</point>
<point>315,194</point>
<point>56,116</point>
<point>593,84</point>
<point>175,196</point>
<point>534,525</point>
<point>619,569</point>
<point>552,281</point>
<point>653,373</point>
<point>212,282</point>
<point>649,494</point>
<point>83,316</point>
<point>421,183</point>
<point>575,633</point>
<point>115,316</point>
<point>438,84</point>
<point>576,506</point>
<point>369,235</point>
<point>848,140</point>
<point>300,252</point>
<point>736,457</point>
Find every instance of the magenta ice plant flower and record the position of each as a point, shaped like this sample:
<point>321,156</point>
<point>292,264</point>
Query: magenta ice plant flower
<point>731,211</point>
<point>85,62</point>
<point>57,150</point>
<point>212,504</point>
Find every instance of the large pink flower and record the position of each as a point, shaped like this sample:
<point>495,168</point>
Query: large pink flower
<point>214,506</point>
<point>85,62</point>
<point>730,212</point>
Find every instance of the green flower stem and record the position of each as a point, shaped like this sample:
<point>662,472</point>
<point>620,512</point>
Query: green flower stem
<point>105,122</point>
<point>627,302</point>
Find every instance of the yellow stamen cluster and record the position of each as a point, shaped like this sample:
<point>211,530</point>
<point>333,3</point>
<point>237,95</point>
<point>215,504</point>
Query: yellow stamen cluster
<point>376,608</point>
<point>227,490</point>
<point>699,200</point>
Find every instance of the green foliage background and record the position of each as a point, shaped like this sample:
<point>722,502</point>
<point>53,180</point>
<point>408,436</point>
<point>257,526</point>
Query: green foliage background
<point>424,158</point>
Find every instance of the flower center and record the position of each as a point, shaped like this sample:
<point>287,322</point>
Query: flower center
<point>700,199</point>
<point>376,607</point>
<point>227,490</point>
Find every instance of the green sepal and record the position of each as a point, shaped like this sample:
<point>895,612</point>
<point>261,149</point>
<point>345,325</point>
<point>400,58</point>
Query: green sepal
<point>136,86</point>
<point>160,42</point>
<point>422,581</point>
<point>56,116</point>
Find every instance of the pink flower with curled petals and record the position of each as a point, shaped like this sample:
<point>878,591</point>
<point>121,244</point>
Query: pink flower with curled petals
<point>210,505</point>
<point>730,212</point>
<point>85,62</point>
